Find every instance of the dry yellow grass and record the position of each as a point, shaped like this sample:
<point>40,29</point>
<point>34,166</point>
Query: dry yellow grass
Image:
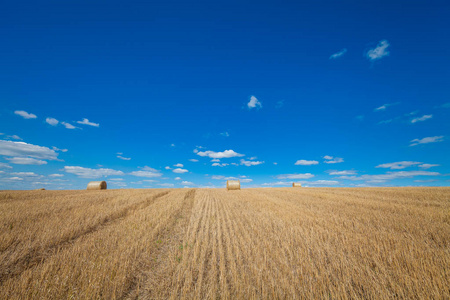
<point>327,243</point>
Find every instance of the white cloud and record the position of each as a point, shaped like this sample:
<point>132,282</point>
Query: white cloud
<point>57,149</point>
<point>25,115</point>
<point>68,125</point>
<point>246,180</point>
<point>91,173</point>
<point>177,178</point>
<point>226,134</point>
<point>249,163</point>
<point>303,162</point>
<point>379,51</point>
<point>21,149</point>
<point>180,171</point>
<point>427,140</point>
<point>427,166</point>
<point>332,160</point>
<point>219,164</point>
<point>421,119</point>
<point>321,182</point>
<point>56,175</point>
<point>178,165</point>
<point>3,165</point>
<point>26,174</point>
<point>14,137</point>
<point>123,158</point>
<point>52,121</point>
<point>215,160</point>
<point>187,183</point>
<point>224,154</point>
<point>146,172</point>
<point>221,177</point>
<point>384,106</point>
<point>295,176</point>
<point>276,183</point>
<point>167,168</point>
<point>86,122</point>
<point>345,172</point>
<point>378,178</point>
<point>275,163</point>
<point>172,145</point>
<point>149,180</point>
<point>254,103</point>
<point>168,185</point>
<point>193,160</point>
<point>338,54</point>
<point>116,179</point>
<point>398,165</point>
<point>14,178</point>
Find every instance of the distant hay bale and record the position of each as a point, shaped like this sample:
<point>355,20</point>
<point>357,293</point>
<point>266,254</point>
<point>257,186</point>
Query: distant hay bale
<point>233,185</point>
<point>296,184</point>
<point>96,185</point>
<point>41,189</point>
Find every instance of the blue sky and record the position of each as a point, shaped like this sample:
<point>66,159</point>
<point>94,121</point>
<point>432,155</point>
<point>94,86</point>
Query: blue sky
<point>174,94</point>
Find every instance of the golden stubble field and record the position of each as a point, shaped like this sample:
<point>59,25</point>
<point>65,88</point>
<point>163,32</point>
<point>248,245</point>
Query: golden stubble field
<point>291,243</point>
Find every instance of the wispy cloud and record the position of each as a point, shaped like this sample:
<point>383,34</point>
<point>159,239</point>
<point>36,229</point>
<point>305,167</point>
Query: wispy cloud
<point>179,170</point>
<point>91,173</point>
<point>226,134</point>
<point>193,160</point>
<point>341,173</point>
<point>384,106</point>
<point>86,122</point>
<point>25,115</point>
<point>427,166</point>
<point>421,119</point>
<point>379,178</point>
<point>295,176</point>
<point>56,175</point>
<point>68,125</point>
<point>3,165</point>
<point>52,121</point>
<point>427,140</point>
<point>398,165</point>
<point>338,54</point>
<point>178,165</point>
<point>147,172</point>
<point>26,161</point>
<point>216,164</point>
<point>332,160</point>
<point>249,163</point>
<point>224,154</point>
<point>123,158</point>
<point>379,51</point>
<point>303,162</point>
<point>254,103</point>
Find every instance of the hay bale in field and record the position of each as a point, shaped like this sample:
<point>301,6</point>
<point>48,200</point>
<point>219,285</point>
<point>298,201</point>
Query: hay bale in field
<point>233,185</point>
<point>296,184</point>
<point>41,189</point>
<point>96,185</point>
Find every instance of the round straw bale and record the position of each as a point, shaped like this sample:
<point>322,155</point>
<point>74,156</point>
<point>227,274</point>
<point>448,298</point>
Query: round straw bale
<point>96,185</point>
<point>296,184</point>
<point>233,185</point>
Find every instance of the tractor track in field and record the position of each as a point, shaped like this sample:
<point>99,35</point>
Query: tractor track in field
<point>37,256</point>
<point>171,233</point>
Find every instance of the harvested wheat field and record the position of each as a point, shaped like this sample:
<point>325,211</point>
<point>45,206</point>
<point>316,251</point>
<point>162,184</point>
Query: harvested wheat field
<point>325,243</point>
